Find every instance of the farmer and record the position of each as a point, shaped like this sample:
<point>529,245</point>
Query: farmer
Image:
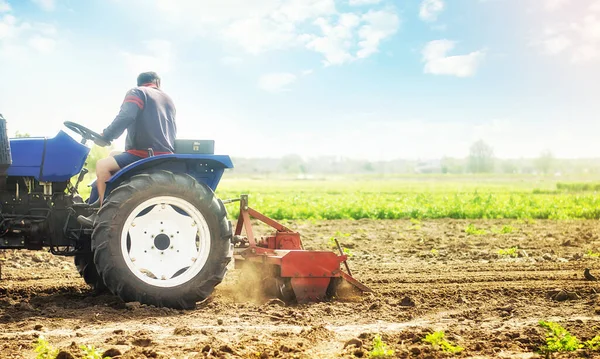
<point>148,115</point>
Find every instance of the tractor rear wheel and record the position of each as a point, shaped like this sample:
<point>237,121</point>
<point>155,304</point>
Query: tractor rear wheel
<point>87,269</point>
<point>162,239</point>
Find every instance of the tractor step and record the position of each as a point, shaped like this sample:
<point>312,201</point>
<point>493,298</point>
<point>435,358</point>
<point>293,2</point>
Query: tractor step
<point>303,275</point>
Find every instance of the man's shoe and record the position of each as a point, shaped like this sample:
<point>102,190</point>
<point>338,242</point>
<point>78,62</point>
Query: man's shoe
<point>95,205</point>
<point>88,221</point>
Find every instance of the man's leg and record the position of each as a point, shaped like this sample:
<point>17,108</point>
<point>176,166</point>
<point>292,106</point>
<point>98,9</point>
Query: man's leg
<point>104,170</point>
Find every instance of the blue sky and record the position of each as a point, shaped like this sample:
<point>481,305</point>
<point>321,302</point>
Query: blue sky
<point>376,79</point>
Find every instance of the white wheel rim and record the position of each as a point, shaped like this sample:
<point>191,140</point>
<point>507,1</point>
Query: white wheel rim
<point>166,248</point>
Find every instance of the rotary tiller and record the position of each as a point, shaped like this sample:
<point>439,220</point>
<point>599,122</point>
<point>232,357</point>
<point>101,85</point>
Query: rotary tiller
<point>288,270</point>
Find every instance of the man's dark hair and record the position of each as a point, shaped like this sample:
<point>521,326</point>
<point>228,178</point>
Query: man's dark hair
<point>148,77</point>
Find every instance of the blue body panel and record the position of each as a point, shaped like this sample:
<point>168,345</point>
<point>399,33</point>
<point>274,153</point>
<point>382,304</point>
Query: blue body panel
<point>207,169</point>
<point>54,159</point>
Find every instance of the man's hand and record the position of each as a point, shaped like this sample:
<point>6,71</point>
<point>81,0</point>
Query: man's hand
<point>102,142</point>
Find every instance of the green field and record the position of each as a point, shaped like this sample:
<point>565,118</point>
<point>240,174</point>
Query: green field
<point>412,196</point>
<point>417,196</point>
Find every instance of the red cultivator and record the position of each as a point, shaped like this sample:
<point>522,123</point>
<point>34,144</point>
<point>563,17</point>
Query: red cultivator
<point>289,271</point>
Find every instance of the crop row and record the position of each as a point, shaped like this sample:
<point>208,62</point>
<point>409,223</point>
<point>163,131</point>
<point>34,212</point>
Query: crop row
<point>462,205</point>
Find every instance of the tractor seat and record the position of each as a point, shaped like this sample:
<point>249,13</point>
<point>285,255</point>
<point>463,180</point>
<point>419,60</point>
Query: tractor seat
<point>195,147</point>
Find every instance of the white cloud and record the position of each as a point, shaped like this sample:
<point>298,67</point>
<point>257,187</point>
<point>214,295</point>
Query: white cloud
<point>156,57</point>
<point>256,35</point>
<point>42,43</point>
<point>585,53</point>
<point>552,5</point>
<point>46,5</point>
<point>17,37</point>
<point>363,2</point>
<point>438,63</point>
<point>575,35</point>
<point>556,44</point>
<point>348,40</point>
<point>336,42</point>
<point>276,82</point>
<point>379,25</point>
<point>4,6</point>
<point>232,60</point>
<point>431,9</point>
<point>8,27</point>
<point>260,26</point>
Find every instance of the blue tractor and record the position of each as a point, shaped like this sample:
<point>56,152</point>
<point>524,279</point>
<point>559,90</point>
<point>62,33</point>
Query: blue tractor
<point>162,236</point>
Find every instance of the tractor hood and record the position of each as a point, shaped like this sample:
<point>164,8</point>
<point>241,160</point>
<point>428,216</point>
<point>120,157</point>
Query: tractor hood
<point>54,159</point>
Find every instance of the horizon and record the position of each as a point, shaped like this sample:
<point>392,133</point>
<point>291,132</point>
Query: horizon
<point>375,80</point>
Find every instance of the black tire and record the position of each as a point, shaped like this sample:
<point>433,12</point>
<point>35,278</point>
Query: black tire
<point>5,156</point>
<point>87,270</point>
<point>106,239</point>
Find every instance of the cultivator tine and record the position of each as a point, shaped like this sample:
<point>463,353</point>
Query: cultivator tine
<point>342,253</point>
<point>355,283</point>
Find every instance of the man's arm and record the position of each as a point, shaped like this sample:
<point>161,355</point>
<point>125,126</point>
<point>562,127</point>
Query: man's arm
<point>131,107</point>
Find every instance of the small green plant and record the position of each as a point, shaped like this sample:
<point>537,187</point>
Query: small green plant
<point>593,344</point>
<point>472,230</point>
<point>510,252</point>
<point>332,243</point>
<point>558,339</point>
<point>435,252</point>
<point>44,350</point>
<point>590,253</point>
<point>438,342</point>
<point>507,229</point>
<point>89,352</point>
<point>348,252</point>
<point>380,349</point>
<point>415,224</point>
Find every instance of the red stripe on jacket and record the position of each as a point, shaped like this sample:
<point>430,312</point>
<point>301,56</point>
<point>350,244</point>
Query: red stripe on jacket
<point>136,100</point>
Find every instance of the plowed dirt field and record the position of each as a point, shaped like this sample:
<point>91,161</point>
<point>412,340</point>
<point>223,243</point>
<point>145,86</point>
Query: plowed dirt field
<point>426,277</point>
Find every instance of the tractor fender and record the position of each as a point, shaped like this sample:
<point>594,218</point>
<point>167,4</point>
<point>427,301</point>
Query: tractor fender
<point>207,169</point>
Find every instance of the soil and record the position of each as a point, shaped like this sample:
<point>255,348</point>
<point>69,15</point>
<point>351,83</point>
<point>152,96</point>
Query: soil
<point>425,277</point>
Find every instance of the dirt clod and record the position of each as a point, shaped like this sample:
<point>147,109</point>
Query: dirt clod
<point>407,302</point>
<point>112,353</point>
<point>133,305</point>
<point>359,353</point>
<point>275,302</point>
<point>226,349</point>
<point>142,342</point>
<point>355,342</point>
<point>64,355</point>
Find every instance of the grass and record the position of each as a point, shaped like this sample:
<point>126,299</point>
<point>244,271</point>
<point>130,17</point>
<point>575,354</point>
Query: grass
<point>510,252</point>
<point>380,349</point>
<point>558,339</point>
<point>45,351</point>
<point>591,254</point>
<point>439,342</point>
<point>593,344</point>
<point>351,198</point>
<point>474,231</point>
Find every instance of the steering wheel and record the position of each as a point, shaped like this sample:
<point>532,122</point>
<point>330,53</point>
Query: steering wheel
<point>87,134</point>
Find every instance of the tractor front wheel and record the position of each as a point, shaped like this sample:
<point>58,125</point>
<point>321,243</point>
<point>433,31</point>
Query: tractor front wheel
<point>162,239</point>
